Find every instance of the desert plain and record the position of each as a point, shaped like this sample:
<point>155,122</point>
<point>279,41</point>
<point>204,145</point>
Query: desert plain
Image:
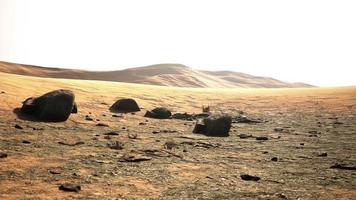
<point>308,131</point>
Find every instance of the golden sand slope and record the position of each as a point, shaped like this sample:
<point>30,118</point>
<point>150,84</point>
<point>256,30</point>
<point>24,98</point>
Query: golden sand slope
<point>162,74</point>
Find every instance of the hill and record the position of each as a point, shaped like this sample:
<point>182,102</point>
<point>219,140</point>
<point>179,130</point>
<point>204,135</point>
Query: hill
<point>176,75</point>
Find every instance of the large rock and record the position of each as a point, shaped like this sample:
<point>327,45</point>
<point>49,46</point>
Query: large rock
<point>218,126</point>
<point>55,106</point>
<point>125,106</point>
<point>159,113</point>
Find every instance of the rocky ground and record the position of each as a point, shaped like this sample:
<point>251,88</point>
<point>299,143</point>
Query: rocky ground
<point>304,148</point>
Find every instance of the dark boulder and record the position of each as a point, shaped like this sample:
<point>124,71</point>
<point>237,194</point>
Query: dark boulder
<point>55,106</point>
<point>125,106</point>
<point>159,113</point>
<point>214,126</point>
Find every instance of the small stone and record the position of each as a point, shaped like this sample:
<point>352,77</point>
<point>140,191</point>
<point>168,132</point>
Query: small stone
<point>107,137</point>
<point>261,138</point>
<point>278,129</point>
<point>342,166</point>
<point>3,155</point>
<point>132,135</point>
<point>18,126</point>
<point>71,143</point>
<point>275,159</point>
<point>116,145</point>
<point>247,177</point>
<point>155,132</point>
<point>323,154</point>
<point>244,136</point>
<point>282,196</point>
<point>265,152</point>
<point>169,145</point>
<point>55,171</point>
<point>102,124</point>
<point>302,144</point>
<point>142,123</point>
<point>68,187</point>
<point>134,158</point>
<point>112,133</point>
<point>26,142</point>
<point>88,118</point>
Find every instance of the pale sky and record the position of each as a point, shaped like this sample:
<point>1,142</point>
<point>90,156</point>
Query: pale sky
<point>312,41</point>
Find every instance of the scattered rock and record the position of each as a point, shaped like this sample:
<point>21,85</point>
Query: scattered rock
<point>131,157</point>
<point>278,129</point>
<point>3,155</point>
<point>159,113</point>
<point>202,115</point>
<point>343,166</point>
<point>142,123</point>
<point>170,145</point>
<point>275,136</point>
<point>301,144</point>
<point>281,196</point>
<point>71,143</point>
<point>155,132</point>
<point>245,119</point>
<point>183,116</point>
<point>261,138</point>
<point>102,124</point>
<point>112,133</point>
<point>55,106</point>
<point>26,142</point>
<point>88,118</point>
<point>338,123</point>
<point>125,106</point>
<point>244,136</point>
<point>56,170</point>
<point>68,187</point>
<point>323,154</point>
<point>265,152</point>
<point>2,92</point>
<point>214,126</point>
<point>206,145</point>
<point>132,135</point>
<point>247,177</point>
<point>18,126</point>
<point>116,145</point>
<point>275,159</point>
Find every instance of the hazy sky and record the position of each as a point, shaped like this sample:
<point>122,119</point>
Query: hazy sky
<point>303,40</point>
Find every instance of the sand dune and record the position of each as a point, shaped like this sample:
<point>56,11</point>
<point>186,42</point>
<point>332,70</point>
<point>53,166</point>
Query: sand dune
<point>161,74</point>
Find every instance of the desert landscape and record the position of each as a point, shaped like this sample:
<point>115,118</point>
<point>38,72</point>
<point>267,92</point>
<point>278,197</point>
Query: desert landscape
<point>285,143</point>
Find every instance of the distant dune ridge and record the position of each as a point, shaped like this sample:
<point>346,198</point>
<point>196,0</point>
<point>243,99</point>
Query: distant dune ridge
<point>176,75</point>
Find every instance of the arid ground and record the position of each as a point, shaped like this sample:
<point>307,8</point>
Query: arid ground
<point>308,131</point>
